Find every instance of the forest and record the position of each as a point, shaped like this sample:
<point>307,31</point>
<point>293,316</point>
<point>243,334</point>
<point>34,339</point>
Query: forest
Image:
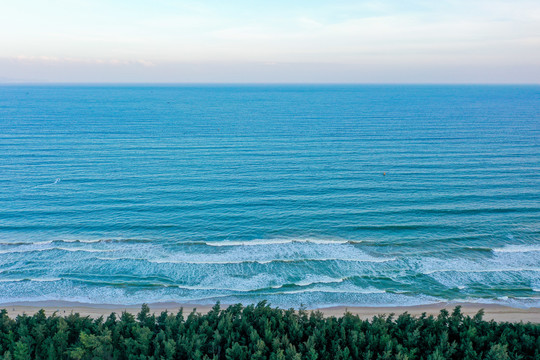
<point>263,332</point>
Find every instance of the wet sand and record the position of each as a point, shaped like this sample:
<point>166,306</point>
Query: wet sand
<point>492,312</point>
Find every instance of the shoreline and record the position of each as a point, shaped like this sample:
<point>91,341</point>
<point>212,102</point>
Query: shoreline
<point>62,308</point>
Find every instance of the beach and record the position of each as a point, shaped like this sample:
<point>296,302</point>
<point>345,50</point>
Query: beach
<point>241,180</point>
<point>63,308</point>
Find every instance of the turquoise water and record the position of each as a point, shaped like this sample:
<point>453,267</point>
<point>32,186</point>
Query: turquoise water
<point>130,194</point>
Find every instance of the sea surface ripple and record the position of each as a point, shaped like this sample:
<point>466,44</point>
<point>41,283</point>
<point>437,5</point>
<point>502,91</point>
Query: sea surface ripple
<point>313,195</point>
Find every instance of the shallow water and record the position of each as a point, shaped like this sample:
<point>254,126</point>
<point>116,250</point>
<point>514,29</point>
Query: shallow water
<point>315,195</point>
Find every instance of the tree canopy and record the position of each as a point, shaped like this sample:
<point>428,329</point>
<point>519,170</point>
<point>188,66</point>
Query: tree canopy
<point>262,332</point>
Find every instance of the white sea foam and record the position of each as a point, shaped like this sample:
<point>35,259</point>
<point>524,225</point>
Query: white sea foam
<point>258,242</point>
<point>165,261</point>
<point>31,279</point>
<point>312,280</point>
<point>64,241</point>
<point>82,241</point>
<point>84,250</point>
<point>481,270</point>
<point>120,258</point>
<point>262,262</point>
<point>288,251</point>
<point>20,251</point>
<point>298,291</point>
<point>278,241</point>
<point>330,291</point>
<point>323,280</point>
<point>517,249</point>
<point>187,287</point>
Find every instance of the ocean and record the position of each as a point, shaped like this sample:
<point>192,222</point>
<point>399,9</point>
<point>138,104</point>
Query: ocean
<point>296,194</point>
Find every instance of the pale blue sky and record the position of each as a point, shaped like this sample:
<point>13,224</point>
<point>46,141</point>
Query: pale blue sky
<point>270,41</point>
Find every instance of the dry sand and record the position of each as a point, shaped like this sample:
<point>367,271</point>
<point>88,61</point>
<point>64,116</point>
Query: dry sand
<point>492,312</point>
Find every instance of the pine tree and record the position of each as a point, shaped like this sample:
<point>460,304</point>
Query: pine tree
<point>21,352</point>
<point>498,352</point>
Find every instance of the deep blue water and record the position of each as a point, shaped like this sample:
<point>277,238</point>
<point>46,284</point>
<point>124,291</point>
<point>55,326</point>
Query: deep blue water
<point>130,194</point>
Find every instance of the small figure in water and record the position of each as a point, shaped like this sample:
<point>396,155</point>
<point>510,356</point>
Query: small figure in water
<point>384,174</point>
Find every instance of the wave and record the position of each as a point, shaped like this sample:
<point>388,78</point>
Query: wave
<point>166,284</point>
<point>262,262</point>
<point>31,279</point>
<point>82,241</point>
<point>15,243</point>
<point>275,287</point>
<point>517,249</point>
<point>327,290</point>
<point>109,240</point>
<point>226,243</point>
<point>400,227</point>
<point>481,270</point>
<point>19,251</point>
<point>479,248</point>
<point>319,281</point>
<point>21,243</point>
<point>74,241</point>
<point>512,301</point>
<point>280,242</point>
<point>47,242</point>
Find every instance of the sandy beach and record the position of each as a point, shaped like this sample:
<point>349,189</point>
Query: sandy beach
<point>492,312</point>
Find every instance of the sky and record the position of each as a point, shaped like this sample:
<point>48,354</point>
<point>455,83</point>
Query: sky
<point>273,41</point>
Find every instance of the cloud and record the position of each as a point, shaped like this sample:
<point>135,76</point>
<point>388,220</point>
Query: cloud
<point>43,60</point>
<point>65,70</point>
<point>393,34</point>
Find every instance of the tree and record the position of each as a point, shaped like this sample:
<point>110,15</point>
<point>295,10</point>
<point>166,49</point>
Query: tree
<point>498,352</point>
<point>21,352</point>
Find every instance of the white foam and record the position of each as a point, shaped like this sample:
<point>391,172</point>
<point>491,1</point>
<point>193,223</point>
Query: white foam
<point>313,280</point>
<point>47,242</point>
<point>187,287</point>
<point>279,241</point>
<point>26,243</point>
<point>119,258</point>
<point>82,241</point>
<point>165,261</point>
<point>31,279</point>
<point>83,250</point>
<point>329,290</point>
<point>480,270</point>
<point>20,251</point>
<point>262,262</point>
<point>517,249</point>
<point>320,281</point>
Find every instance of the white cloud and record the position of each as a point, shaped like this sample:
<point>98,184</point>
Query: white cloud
<point>394,33</point>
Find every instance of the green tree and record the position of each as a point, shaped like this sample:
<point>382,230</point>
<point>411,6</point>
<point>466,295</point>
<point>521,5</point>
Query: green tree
<point>22,351</point>
<point>498,352</point>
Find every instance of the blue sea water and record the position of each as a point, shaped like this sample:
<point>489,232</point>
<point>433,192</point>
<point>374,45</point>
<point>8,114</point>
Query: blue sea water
<point>314,195</point>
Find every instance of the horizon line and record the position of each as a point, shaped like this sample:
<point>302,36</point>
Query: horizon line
<point>70,83</point>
